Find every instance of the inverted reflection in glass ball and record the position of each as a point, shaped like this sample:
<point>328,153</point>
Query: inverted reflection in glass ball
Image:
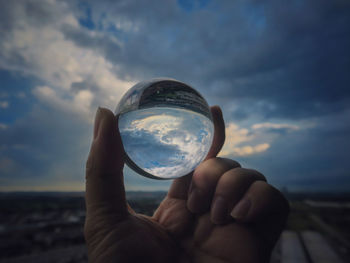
<point>166,128</point>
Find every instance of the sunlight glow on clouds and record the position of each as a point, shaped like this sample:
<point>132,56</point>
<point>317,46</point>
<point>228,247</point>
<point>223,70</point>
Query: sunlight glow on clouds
<point>269,125</point>
<point>257,139</point>
<point>236,137</point>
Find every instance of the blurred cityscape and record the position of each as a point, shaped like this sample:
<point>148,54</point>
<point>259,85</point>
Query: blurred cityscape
<point>48,227</point>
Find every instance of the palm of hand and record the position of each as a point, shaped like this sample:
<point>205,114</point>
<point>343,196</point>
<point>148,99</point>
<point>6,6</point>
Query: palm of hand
<point>174,234</point>
<point>186,227</point>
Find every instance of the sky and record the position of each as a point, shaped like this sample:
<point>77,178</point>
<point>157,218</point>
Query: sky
<point>278,69</point>
<point>166,142</point>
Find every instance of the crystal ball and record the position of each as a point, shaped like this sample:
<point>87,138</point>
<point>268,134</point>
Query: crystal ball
<point>166,128</point>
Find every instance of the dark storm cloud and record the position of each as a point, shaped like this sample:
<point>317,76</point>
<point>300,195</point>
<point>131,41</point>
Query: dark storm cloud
<point>85,38</point>
<point>292,55</point>
<point>86,84</point>
<point>38,13</point>
<point>42,141</point>
<point>16,15</point>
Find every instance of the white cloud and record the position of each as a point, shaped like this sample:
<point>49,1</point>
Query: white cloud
<point>3,126</point>
<point>257,139</point>
<point>79,103</point>
<point>249,150</point>
<point>277,126</point>
<point>189,134</point>
<point>159,124</point>
<point>236,137</point>
<point>45,53</point>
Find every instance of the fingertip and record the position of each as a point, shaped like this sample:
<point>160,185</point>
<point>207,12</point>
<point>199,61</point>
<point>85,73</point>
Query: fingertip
<point>216,110</point>
<point>261,200</point>
<point>105,123</point>
<point>104,168</point>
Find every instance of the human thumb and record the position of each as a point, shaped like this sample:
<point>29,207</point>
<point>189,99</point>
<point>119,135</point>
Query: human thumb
<point>105,194</point>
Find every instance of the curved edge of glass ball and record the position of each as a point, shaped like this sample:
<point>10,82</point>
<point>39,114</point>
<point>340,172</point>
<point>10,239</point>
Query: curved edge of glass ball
<point>154,93</point>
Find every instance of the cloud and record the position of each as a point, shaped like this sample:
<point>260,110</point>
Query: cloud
<point>4,104</point>
<point>45,149</point>
<point>281,82</point>
<point>80,104</point>
<point>7,165</point>
<point>272,63</point>
<point>33,47</point>
<point>236,137</point>
<point>166,142</point>
<point>248,150</point>
<point>258,52</point>
<point>275,126</point>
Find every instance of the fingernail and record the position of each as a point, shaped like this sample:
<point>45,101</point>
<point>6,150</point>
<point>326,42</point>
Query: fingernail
<point>195,200</point>
<point>219,210</point>
<point>241,209</point>
<point>98,118</point>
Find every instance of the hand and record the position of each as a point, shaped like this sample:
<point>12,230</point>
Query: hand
<point>220,213</point>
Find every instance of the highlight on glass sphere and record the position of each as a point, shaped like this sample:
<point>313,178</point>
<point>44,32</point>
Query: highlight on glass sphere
<point>166,128</point>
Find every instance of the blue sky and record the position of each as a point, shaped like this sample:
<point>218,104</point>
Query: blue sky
<point>279,70</point>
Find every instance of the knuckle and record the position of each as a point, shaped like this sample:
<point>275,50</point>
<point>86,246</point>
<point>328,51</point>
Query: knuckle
<point>243,174</point>
<point>209,172</point>
<point>230,163</point>
<point>257,174</point>
<point>217,164</point>
<point>233,176</point>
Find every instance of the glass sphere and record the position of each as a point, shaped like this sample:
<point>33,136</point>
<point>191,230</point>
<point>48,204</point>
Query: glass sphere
<point>166,128</point>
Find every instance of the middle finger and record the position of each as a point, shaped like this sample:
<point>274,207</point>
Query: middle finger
<point>204,181</point>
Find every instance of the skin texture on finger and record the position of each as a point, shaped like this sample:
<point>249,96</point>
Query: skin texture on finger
<point>204,182</point>
<point>135,239</point>
<point>230,188</point>
<point>264,199</point>
<point>105,194</point>
<point>217,243</point>
<point>268,210</point>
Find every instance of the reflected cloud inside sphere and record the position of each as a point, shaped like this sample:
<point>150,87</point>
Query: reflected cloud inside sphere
<point>165,142</point>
